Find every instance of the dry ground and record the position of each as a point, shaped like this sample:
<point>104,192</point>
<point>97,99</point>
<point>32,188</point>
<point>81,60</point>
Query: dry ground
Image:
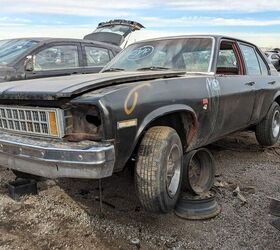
<point>66,213</point>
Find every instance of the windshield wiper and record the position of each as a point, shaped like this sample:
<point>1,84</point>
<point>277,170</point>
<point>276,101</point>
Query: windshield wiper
<point>153,68</point>
<point>113,70</point>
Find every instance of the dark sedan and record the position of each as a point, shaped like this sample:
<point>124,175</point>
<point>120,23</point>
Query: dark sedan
<point>154,102</point>
<point>28,58</point>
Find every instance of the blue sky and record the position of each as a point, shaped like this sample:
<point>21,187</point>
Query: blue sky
<point>254,20</point>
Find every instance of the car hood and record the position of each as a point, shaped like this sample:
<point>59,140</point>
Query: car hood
<point>55,88</point>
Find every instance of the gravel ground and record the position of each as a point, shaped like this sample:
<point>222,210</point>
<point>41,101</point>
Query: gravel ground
<point>67,215</point>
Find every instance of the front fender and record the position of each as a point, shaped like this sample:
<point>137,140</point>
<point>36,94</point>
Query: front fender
<point>162,111</point>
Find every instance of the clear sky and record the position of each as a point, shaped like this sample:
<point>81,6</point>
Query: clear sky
<point>257,21</point>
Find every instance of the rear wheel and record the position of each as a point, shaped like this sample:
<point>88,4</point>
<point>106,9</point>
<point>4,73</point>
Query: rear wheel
<point>158,174</point>
<point>268,130</point>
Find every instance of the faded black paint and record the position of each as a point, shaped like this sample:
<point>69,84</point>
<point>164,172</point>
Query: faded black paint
<point>232,103</point>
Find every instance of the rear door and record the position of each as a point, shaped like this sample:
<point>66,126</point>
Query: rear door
<point>57,59</point>
<point>267,85</point>
<point>237,90</point>
<point>95,58</point>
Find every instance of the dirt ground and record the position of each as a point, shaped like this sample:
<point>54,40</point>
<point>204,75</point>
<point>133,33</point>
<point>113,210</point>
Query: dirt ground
<point>66,214</point>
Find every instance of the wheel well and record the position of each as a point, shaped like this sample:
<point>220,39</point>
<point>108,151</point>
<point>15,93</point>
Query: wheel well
<point>182,122</point>
<point>278,100</point>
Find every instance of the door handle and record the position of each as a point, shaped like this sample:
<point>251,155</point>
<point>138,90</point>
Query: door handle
<point>250,83</point>
<point>271,83</point>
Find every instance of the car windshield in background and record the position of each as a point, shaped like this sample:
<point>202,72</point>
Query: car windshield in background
<point>182,54</point>
<point>12,49</point>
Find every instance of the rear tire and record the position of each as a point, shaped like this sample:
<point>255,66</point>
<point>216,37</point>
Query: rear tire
<point>268,130</point>
<point>159,169</point>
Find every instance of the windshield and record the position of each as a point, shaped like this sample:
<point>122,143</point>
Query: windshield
<point>12,49</point>
<point>183,54</point>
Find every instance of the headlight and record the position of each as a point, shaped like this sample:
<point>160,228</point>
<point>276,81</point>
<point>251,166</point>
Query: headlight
<point>83,122</point>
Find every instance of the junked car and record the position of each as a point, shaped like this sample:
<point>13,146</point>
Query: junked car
<point>29,58</point>
<point>155,101</point>
<point>274,58</point>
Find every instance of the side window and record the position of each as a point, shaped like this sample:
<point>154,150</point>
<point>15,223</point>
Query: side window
<point>96,56</point>
<point>228,63</point>
<point>251,60</point>
<point>227,59</point>
<point>56,58</point>
<point>263,66</point>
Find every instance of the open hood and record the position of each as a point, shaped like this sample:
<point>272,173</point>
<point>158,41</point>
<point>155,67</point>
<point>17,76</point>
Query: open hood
<point>114,31</point>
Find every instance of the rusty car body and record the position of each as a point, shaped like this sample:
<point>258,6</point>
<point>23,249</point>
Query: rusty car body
<point>154,101</point>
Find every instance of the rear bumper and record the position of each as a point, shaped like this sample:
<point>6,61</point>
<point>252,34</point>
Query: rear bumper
<point>57,159</point>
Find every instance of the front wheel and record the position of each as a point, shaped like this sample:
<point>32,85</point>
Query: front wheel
<point>158,174</point>
<point>268,130</point>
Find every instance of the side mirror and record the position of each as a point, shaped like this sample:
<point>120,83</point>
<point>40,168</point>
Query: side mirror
<point>29,63</point>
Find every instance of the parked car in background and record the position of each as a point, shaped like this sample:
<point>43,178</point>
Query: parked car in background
<point>274,58</point>
<point>115,31</point>
<point>28,58</point>
<point>155,101</point>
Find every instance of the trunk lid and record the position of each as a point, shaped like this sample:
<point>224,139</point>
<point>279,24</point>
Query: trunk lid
<point>114,31</point>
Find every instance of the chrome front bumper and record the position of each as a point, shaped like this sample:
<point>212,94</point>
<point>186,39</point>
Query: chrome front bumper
<point>53,159</point>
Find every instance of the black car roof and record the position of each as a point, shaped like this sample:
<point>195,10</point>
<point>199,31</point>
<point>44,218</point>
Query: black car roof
<point>217,37</point>
<point>52,39</point>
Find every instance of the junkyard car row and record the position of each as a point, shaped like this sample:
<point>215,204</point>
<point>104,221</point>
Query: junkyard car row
<point>155,101</point>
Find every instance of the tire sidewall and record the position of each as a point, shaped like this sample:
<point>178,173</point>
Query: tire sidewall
<point>275,107</point>
<point>166,202</point>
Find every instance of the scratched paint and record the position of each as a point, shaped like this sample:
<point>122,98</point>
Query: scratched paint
<point>133,95</point>
<point>214,93</point>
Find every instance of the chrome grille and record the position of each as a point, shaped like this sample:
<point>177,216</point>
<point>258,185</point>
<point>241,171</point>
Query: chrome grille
<point>32,120</point>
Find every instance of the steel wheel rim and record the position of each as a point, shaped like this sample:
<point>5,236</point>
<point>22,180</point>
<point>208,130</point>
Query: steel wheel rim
<point>195,172</point>
<point>173,173</point>
<point>276,124</point>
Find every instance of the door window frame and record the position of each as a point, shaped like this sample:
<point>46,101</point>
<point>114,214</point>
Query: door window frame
<point>85,64</point>
<point>53,44</point>
<point>238,55</point>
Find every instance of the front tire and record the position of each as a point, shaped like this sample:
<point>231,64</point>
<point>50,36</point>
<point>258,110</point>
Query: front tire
<point>159,169</point>
<point>268,130</point>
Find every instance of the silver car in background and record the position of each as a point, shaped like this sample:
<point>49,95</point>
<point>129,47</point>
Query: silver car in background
<point>274,58</point>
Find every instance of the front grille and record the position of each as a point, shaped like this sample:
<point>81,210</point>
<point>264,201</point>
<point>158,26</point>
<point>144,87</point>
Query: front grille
<point>30,120</point>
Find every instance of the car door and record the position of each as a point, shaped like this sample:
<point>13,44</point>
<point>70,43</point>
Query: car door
<point>56,59</point>
<point>267,85</point>
<point>95,58</point>
<point>237,95</point>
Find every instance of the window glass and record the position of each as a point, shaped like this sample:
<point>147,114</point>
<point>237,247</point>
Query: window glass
<point>97,56</point>
<point>227,59</point>
<point>186,54</point>
<point>57,57</point>
<point>251,60</point>
<point>11,50</point>
<point>263,65</point>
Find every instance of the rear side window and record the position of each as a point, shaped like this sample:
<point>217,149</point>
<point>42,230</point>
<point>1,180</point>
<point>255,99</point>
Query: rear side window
<point>96,56</point>
<point>263,65</point>
<point>251,60</point>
